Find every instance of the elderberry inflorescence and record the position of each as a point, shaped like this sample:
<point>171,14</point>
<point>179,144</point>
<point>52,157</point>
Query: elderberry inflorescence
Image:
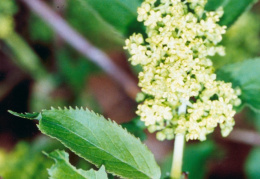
<point>177,73</point>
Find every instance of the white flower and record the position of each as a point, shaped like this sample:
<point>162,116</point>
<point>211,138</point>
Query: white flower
<point>184,96</point>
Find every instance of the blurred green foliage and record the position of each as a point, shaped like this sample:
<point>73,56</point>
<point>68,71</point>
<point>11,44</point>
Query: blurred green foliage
<point>92,25</point>
<point>26,161</point>
<point>241,40</point>
<point>232,9</point>
<point>6,26</point>
<point>252,166</point>
<point>8,7</point>
<point>23,55</point>
<point>245,76</point>
<point>74,70</point>
<point>7,10</point>
<point>43,94</point>
<point>39,30</point>
<point>195,159</point>
<point>119,14</point>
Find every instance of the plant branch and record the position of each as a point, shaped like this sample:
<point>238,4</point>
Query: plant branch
<point>23,55</point>
<point>78,42</point>
<point>245,136</point>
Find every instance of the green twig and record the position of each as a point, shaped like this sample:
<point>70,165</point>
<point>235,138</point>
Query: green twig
<point>24,56</point>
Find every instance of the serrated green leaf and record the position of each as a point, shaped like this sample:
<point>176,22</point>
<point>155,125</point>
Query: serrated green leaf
<point>136,127</point>
<point>252,166</point>
<point>100,141</point>
<point>26,115</point>
<point>244,75</point>
<point>232,9</point>
<point>63,169</point>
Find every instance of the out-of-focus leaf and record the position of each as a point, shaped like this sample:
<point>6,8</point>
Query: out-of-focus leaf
<point>136,127</point>
<point>194,160</point>
<point>7,10</point>
<point>44,94</point>
<point>120,14</point>
<point>232,9</point>
<point>91,24</point>
<point>7,7</point>
<point>27,160</point>
<point>39,30</point>
<point>63,169</point>
<point>244,75</point>
<point>99,141</point>
<point>252,166</point>
<point>25,57</point>
<point>86,98</point>
<point>74,70</point>
<point>241,41</point>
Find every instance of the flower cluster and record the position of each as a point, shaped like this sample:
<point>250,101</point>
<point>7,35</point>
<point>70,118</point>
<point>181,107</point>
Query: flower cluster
<point>178,80</point>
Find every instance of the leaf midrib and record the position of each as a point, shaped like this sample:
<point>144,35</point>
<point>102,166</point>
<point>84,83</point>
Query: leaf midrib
<point>74,143</point>
<point>94,144</point>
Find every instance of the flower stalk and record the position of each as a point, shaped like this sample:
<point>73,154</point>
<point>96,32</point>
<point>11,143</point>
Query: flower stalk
<point>176,170</point>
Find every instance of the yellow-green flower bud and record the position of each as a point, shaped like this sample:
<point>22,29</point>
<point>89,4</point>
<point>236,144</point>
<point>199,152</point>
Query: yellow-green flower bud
<point>140,97</point>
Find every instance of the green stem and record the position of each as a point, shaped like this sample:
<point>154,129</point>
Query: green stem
<point>24,56</point>
<point>176,171</point>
